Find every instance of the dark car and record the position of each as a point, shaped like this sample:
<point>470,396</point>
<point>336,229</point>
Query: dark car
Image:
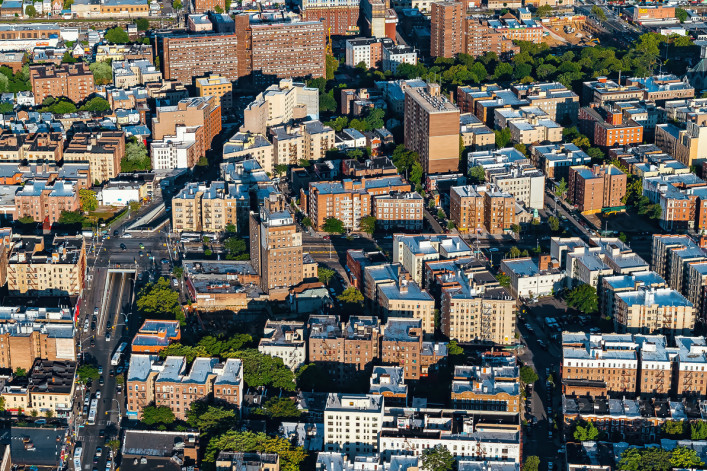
<point>93,326</point>
<point>102,433</point>
<point>123,247</point>
<point>115,233</point>
<point>101,382</point>
<point>111,373</point>
<point>93,343</point>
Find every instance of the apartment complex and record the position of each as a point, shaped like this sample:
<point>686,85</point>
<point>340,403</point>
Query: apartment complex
<point>609,126</point>
<point>368,51</point>
<point>73,81</point>
<point>42,147</point>
<point>49,390</point>
<point>412,251</point>
<point>432,129</point>
<point>486,388</point>
<point>44,202</point>
<point>352,423</point>
<point>555,160</point>
<point>560,103</point>
<point>339,17</point>
<point>218,86</point>
<point>474,208</point>
<point>187,56</point>
<point>653,311</point>
<point>279,104</point>
<point>598,188</point>
<point>55,269</point>
<point>275,248</point>
<point>102,151</point>
<point>155,335</point>
<point>201,208</point>
<point>398,211</point>
<point>534,278</point>
<point>197,111</point>
<point>447,19</point>
<point>168,383</point>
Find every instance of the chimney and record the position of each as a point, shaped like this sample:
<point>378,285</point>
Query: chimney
<point>544,262</point>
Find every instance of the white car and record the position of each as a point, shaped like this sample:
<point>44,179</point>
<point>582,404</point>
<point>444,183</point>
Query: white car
<point>98,394</point>
<point>127,235</point>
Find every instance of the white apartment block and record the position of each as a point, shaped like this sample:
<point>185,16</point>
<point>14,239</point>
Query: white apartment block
<point>175,151</point>
<point>352,423</point>
<point>412,251</point>
<point>284,340</point>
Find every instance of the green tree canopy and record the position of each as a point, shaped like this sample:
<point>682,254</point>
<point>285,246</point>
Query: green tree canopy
<point>325,274</point>
<point>136,158</point>
<point>246,442</point>
<point>477,174</point>
<point>117,35</point>
<point>674,428</point>
<point>685,458</point>
<point>503,137</point>
<point>698,430</point>
<point>142,24</point>
<point>237,249</point>
<point>282,408</point>
<point>351,295</point>
<point>209,418</point>
<point>152,415</point>
<point>102,73</point>
<point>528,375</point>
<point>158,300</point>
<point>88,199</point>
<point>680,14</point>
<point>368,224</point>
<point>71,217</point>
<point>87,373</point>
<point>554,223</point>
<point>438,458</point>
<point>585,432</point>
<point>532,463</point>
<point>264,370</point>
<point>583,298</point>
<point>334,226</point>
<point>96,105</point>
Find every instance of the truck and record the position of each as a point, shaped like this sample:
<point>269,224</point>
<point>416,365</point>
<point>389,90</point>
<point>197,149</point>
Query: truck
<point>78,451</point>
<point>92,413</point>
<point>118,355</point>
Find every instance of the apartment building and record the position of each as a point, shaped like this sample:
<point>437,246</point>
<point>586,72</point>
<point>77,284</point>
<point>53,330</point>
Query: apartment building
<point>29,333</point>
<point>412,251</point>
<point>178,151</point>
<point>396,55</point>
<point>476,136</point>
<point>123,52</point>
<point>196,111</point>
<point>477,207</point>
<point>560,103</point>
<point>486,388</point>
<point>480,35</point>
<point>202,6</point>
<point>603,90</point>
<point>74,81</point>
<point>244,145</point>
<point>201,208</point>
<point>670,256</point>
<point>653,310</point>
<point>276,248</point>
<point>339,17</point>
<point>186,56</point>
<point>343,350</point>
<point>663,87</point>
<point>317,138</point>
<point>555,160</point>
<point>348,200</point>
<point>402,297</point>
<point>279,104</point>
<point>155,335</point>
<point>49,390</point>
<point>55,267</point>
<point>695,289</point>
<point>432,129</point>
<point>285,340</point>
<point>612,285</point>
<point>474,308</point>
<point>218,86</point>
<point>388,381</point>
<point>512,173</point>
<point>368,51</point>
<point>682,199</point>
<point>687,143</point>
<point>45,202</point>
<point>352,423</point>
<point>127,74</point>
<point>167,383</point>
<point>598,188</point>
<point>402,345</point>
<point>37,147</point>
<point>609,127</point>
<point>446,29</point>
<point>533,279</point>
<point>102,151</point>
<point>396,210</point>
<point>287,49</point>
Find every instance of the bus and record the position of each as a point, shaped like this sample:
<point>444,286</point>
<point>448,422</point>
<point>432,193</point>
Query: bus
<point>78,451</point>
<point>92,412</point>
<point>115,361</point>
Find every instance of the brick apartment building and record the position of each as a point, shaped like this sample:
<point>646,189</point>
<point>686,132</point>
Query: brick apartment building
<point>195,111</point>
<point>201,208</point>
<point>398,211</point>
<point>432,129</point>
<point>339,17</point>
<point>57,269</point>
<point>102,151</point>
<point>477,207</point>
<point>33,147</point>
<point>608,127</point>
<point>402,345</point>
<point>596,188</point>
<point>44,202</point>
<point>49,390</point>
<point>275,248</point>
<point>73,81</point>
<point>447,20</point>
<point>202,6</point>
<point>167,383</point>
<point>486,388</point>
<point>652,311</point>
<point>218,86</point>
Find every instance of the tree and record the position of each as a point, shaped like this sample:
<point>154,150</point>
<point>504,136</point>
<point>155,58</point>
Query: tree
<point>327,102</point>
<point>674,429</point>
<point>142,24</point>
<point>325,274</point>
<point>685,458</point>
<point>305,163</point>
<point>515,228</point>
<point>178,272</point>
<point>438,458</point>
<point>87,373</point>
<point>177,5</point>
<point>113,445</point>
<point>681,14</point>
<point>71,217</point>
<point>583,298</point>
<point>264,370</point>
<point>96,105</point>
<point>332,65</point>
<point>282,408</point>
<point>698,430</point>
<point>102,73</point>
<point>88,199</point>
<point>647,459</point>
<point>532,463</point>
<point>117,35</point>
<point>368,224</point>
<point>291,457</point>
<point>598,12</point>
<point>207,418</point>
<point>503,279</point>
<point>554,223</point>
<point>280,169</point>
<point>528,375</point>
<point>158,300</point>
<point>60,106</point>
<point>586,432</point>
<point>441,214</point>
<point>503,137</point>
<point>136,158</point>
<point>152,415</point>
<point>218,9</point>
<point>334,226</point>
<point>311,377</point>
<point>31,11</point>
<point>543,11</point>
<point>477,174</point>
<point>26,220</point>
<point>521,148</point>
<point>237,249</point>
<point>351,295</point>
<point>453,348</point>
<point>561,189</point>
<point>513,252</point>
<point>306,222</point>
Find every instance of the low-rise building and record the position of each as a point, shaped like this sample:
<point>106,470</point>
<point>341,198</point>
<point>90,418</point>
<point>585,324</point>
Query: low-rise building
<point>486,388</point>
<point>201,208</point>
<point>219,285</point>
<point>476,207</point>
<point>44,202</point>
<point>218,86</point>
<point>389,382</point>
<point>48,391</point>
<point>155,335</point>
<point>285,340</point>
<point>653,310</point>
<point>404,211</point>
<point>555,160</point>
<point>531,279</point>
<point>412,251</point>
<point>596,189</point>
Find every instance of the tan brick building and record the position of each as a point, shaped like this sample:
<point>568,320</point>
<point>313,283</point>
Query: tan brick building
<point>432,129</point>
<point>57,269</point>
<point>35,147</point>
<point>103,152</point>
<point>402,345</point>
<point>218,86</point>
<point>591,190</point>
<point>45,202</point>
<point>49,391</point>
<point>484,388</point>
<point>276,248</point>
<point>73,81</point>
<point>446,29</point>
<point>201,208</point>
<point>201,6</point>
<point>652,311</point>
<point>196,111</point>
<point>399,211</point>
<point>167,383</point>
<point>477,207</point>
